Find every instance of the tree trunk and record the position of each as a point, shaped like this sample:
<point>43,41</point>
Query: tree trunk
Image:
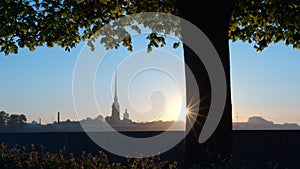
<point>212,18</point>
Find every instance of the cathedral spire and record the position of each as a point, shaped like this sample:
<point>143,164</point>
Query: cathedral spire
<point>116,97</point>
<point>115,114</point>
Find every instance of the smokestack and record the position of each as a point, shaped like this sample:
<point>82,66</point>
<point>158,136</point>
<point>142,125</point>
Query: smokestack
<point>40,121</point>
<point>58,117</point>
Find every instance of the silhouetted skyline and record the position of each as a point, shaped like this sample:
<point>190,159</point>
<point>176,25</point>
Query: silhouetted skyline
<point>260,123</point>
<point>39,84</point>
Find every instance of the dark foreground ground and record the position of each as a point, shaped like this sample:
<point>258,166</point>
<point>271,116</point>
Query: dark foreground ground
<point>262,149</point>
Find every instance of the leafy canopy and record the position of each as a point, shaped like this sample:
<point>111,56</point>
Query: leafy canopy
<point>266,21</point>
<point>34,23</point>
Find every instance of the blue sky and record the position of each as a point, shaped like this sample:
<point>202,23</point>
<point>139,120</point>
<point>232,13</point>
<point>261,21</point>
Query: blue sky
<point>39,83</point>
<point>265,83</point>
<point>150,85</point>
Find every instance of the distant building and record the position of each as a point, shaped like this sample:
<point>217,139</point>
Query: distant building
<point>259,123</point>
<point>58,117</point>
<point>126,115</point>
<point>115,114</point>
<point>33,126</point>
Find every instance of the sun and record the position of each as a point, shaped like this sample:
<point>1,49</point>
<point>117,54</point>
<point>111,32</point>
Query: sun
<point>187,111</point>
<point>192,112</point>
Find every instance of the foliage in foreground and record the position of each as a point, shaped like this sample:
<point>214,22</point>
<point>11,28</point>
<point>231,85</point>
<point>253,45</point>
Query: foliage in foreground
<point>33,23</point>
<point>17,157</point>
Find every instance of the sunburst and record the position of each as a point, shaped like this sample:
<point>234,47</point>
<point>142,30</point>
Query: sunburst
<point>192,110</point>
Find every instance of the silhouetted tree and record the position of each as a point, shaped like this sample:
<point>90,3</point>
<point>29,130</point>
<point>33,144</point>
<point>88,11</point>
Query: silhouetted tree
<point>266,21</point>
<point>3,119</point>
<point>16,121</point>
<point>99,118</point>
<point>31,23</point>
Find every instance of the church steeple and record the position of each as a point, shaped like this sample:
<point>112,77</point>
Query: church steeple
<point>116,96</point>
<point>115,114</point>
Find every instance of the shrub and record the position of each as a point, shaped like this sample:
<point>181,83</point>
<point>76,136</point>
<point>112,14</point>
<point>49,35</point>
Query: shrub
<point>16,157</point>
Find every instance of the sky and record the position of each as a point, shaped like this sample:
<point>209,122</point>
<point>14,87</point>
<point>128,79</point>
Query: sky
<point>150,85</point>
<point>39,84</point>
<point>265,83</point>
